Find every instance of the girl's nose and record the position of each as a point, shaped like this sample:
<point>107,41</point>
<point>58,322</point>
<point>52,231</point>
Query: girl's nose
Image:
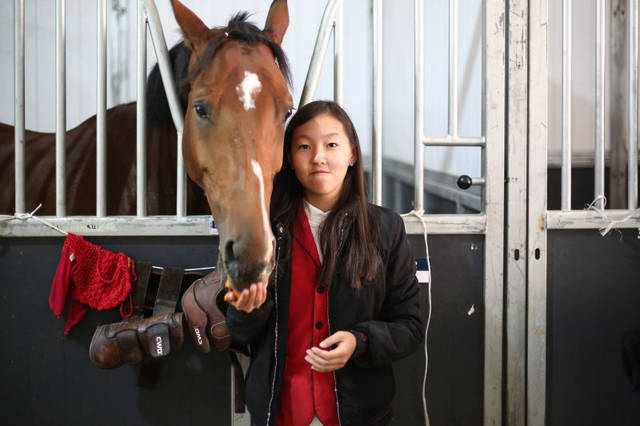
<point>319,156</point>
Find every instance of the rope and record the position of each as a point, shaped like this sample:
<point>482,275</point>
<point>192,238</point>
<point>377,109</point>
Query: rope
<point>24,217</point>
<point>610,223</point>
<point>420,216</point>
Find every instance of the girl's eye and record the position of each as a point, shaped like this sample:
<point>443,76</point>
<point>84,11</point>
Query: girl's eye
<point>332,144</point>
<point>303,146</point>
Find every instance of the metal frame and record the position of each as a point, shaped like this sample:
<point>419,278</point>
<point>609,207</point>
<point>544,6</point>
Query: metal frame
<point>516,207</point>
<point>540,220</point>
<point>536,308</point>
<point>19,133</point>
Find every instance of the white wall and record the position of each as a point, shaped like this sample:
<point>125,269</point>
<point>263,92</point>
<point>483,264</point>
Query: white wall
<point>298,43</point>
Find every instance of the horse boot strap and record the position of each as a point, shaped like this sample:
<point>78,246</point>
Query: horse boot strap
<point>132,341</point>
<point>139,290</point>
<point>168,291</point>
<point>204,318</point>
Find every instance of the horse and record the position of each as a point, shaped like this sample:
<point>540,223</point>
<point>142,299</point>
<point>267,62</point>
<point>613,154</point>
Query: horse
<point>237,98</point>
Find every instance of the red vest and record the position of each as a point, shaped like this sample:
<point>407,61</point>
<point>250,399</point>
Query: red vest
<point>306,392</point>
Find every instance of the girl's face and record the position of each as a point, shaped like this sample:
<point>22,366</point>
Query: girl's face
<point>320,156</point>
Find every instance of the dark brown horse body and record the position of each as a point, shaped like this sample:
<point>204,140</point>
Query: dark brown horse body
<point>121,160</point>
<point>236,103</point>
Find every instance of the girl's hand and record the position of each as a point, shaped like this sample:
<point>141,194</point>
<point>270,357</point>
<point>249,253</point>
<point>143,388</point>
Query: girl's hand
<point>250,299</point>
<point>334,359</point>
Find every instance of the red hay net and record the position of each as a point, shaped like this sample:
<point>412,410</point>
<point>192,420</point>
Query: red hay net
<point>102,278</point>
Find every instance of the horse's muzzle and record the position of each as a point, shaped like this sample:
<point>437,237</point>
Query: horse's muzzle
<point>243,270</point>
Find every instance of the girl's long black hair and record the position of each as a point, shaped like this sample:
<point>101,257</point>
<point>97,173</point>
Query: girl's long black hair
<point>349,232</point>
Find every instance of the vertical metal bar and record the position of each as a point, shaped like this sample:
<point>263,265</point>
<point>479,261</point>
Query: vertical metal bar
<point>566,105</point>
<point>338,37</point>
<point>516,211</point>
<point>377,102</point>
<point>537,224</point>
<point>18,75</point>
<point>101,112</point>
<point>600,99</point>
<point>418,153</point>
<point>141,115</point>
<point>453,68</point>
<point>319,50</point>
<point>632,117</point>
<point>162,53</point>
<point>61,110</point>
<point>494,33</point>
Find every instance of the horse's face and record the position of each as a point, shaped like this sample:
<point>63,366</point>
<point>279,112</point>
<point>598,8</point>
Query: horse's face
<point>233,135</point>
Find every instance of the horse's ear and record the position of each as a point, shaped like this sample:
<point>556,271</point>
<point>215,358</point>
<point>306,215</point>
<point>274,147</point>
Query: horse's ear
<point>195,32</point>
<point>277,21</point>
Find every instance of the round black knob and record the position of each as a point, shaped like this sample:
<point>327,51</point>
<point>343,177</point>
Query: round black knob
<point>464,182</point>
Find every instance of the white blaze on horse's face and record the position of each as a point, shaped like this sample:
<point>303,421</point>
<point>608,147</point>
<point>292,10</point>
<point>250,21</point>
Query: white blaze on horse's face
<point>246,90</point>
<point>257,170</point>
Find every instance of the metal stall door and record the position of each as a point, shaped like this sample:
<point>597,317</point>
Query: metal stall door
<point>581,285</point>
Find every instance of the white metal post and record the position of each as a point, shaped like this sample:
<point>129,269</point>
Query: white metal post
<point>141,115</point>
<point>566,105</point>
<point>632,108</point>
<point>600,101</point>
<point>162,53</point>
<point>61,110</point>
<point>494,33</point>
<point>376,151</point>
<point>101,112</point>
<point>18,75</point>
<point>516,203</point>
<point>537,226</point>
<point>418,152</point>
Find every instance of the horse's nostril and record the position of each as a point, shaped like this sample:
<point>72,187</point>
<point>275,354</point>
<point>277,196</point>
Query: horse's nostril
<point>228,251</point>
<point>231,261</point>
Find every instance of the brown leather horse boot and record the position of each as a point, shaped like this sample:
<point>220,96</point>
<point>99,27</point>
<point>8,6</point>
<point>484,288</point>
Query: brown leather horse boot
<point>133,341</point>
<point>204,318</point>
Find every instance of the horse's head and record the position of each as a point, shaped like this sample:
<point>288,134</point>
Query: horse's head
<point>233,132</point>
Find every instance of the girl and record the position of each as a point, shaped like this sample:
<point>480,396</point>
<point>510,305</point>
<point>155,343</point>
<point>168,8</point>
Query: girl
<point>343,302</point>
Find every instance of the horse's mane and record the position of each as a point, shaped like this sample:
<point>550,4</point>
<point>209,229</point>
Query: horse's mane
<point>238,29</point>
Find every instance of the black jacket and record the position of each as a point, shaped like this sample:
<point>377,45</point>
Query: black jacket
<point>386,316</point>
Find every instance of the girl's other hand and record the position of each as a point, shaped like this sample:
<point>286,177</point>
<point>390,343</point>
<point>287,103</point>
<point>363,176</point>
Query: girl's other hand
<point>334,359</point>
<point>250,299</point>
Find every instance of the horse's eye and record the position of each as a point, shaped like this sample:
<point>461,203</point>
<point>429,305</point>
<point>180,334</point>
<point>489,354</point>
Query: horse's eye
<point>203,111</point>
<point>288,114</point>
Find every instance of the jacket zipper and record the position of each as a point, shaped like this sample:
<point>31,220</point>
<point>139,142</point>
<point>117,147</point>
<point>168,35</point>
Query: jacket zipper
<point>335,379</point>
<point>275,345</point>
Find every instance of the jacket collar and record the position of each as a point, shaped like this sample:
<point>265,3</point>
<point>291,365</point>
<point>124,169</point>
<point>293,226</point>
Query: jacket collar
<point>302,234</point>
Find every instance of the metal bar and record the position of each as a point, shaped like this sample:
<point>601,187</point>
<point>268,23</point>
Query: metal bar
<point>181,193</point>
<point>18,76</point>
<point>600,100</point>
<point>338,52</point>
<point>590,219</point>
<point>460,224</point>
<point>453,68</point>
<point>101,112</point>
<point>632,109</point>
<point>418,153</point>
<point>493,161</point>
<point>376,151</point>
<point>478,181</point>
<point>454,141</point>
<point>319,50</point>
<point>516,212</point>
<point>162,53</point>
<point>141,115</point>
<point>566,105</point>
<point>61,110</point>
<point>536,307</point>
